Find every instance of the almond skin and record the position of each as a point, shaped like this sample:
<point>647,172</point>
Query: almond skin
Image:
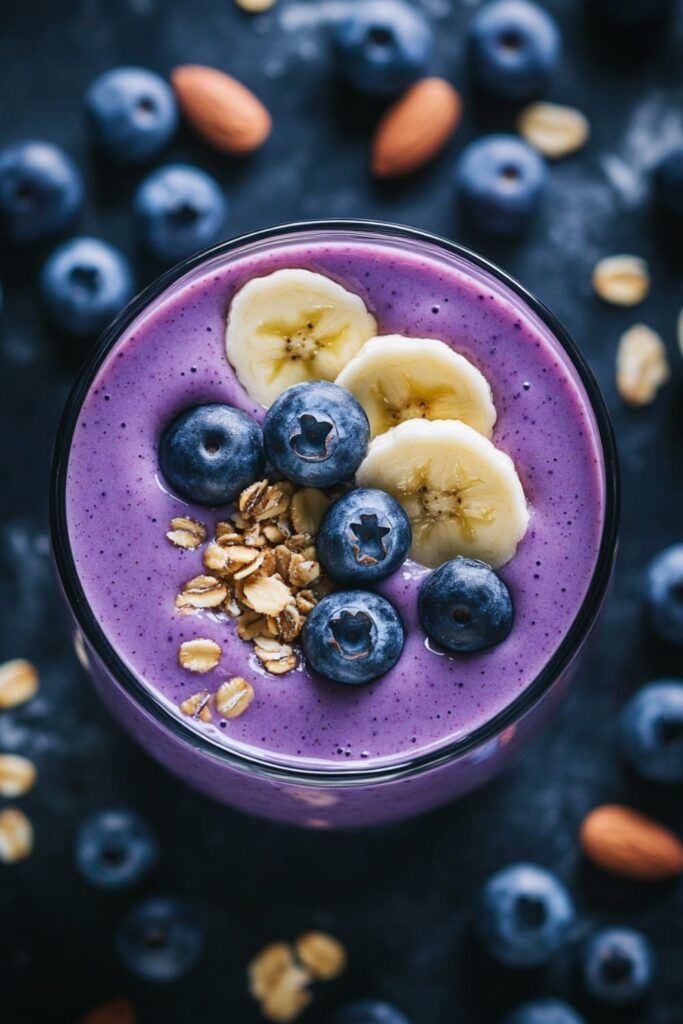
<point>221,109</point>
<point>415,128</point>
<point>631,845</point>
<point>117,1011</point>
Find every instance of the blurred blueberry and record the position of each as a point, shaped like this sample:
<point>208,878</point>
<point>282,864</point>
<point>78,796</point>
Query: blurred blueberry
<point>179,210</point>
<point>210,453</point>
<point>515,48</point>
<point>633,12</point>
<point>132,113</point>
<point>618,966</point>
<point>160,940</point>
<point>465,606</point>
<point>382,46</point>
<point>84,283</point>
<point>544,1011</point>
<point>364,537</point>
<point>316,433</point>
<point>668,180</point>
<point>499,180</point>
<point>368,1011</point>
<point>652,731</point>
<point>664,594</point>
<point>352,636</point>
<point>115,849</point>
<point>41,190</point>
<point>524,915</point>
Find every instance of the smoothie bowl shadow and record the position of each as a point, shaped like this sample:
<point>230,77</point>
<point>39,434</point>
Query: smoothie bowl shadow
<point>343,786</point>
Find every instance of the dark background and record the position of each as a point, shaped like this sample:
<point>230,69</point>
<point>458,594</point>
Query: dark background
<point>399,897</point>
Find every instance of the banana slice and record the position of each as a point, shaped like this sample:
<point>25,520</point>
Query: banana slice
<point>291,326</point>
<point>396,378</point>
<point>462,495</point>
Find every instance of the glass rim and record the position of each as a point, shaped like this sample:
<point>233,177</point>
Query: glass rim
<point>132,685</point>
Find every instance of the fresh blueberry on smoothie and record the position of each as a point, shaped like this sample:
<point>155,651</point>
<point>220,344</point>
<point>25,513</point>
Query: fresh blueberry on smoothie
<point>465,606</point>
<point>316,434</point>
<point>210,453</point>
<point>353,636</point>
<point>364,537</point>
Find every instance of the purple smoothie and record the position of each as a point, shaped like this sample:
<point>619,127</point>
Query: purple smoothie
<point>118,510</point>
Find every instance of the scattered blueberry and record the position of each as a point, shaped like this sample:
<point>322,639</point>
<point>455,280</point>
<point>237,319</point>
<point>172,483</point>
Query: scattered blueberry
<point>652,731</point>
<point>465,606</point>
<point>382,46</point>
<point>364,537</point>
<point>544,1011</point>
<point>668,180</point>
<point>499,180</point>
<point>179,210</point>
<point>368,1011</point>
<point>352,636</point>
<point>159,940</point>
<point>210,453</point>
<point>524,915</point>
<point>634,12</point>
<point>664,594</point>
<point>316,433</point>
<point>618,966</point>
<point>515,48</point>
<point>115,849</point>
<point>132,113</point>
<point>41,190</point>
<point>84,283</point>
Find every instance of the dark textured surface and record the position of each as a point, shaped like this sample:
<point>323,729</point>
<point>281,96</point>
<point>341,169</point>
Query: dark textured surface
<point>400,898</point>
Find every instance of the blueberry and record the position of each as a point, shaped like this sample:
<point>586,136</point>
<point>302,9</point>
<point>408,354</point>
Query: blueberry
<point>382,46</point>
<point>668,181</point>
<point>210,453</point>
<point>524,915</point>
<point>465,606</point>
<point>515,48</point>
<point>160,940</point>
<point>664,594</point>
<point>618,966</point>
<point>115,849</point>
<point>316,433</point>
<point>364,537</point>
<point>651,731</point>
<point>179,209</point>
<point>132,113</point>
<point>368,1011</point>
<point>352,636</point>
<point>544,1011</point>
<point>499,180</point>
<point>84,283</point>
<point>41,190</point>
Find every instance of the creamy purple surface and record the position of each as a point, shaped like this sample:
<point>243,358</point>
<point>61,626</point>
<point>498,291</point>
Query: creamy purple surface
<point>173,356</point>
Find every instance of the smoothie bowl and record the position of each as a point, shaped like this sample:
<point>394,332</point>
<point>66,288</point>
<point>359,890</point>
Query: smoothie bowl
<point>334,509</point>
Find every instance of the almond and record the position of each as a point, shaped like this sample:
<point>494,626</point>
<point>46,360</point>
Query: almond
<point>629,844</point>
<point>221,109</point>
<point>415,128</point>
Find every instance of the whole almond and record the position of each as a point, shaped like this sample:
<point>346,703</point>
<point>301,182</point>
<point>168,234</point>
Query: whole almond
<point>221,109</point>
<point>415,128</point>
<point>631,845</point>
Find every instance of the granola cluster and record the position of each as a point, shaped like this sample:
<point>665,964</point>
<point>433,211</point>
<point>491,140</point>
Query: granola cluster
<point>261,569</point>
